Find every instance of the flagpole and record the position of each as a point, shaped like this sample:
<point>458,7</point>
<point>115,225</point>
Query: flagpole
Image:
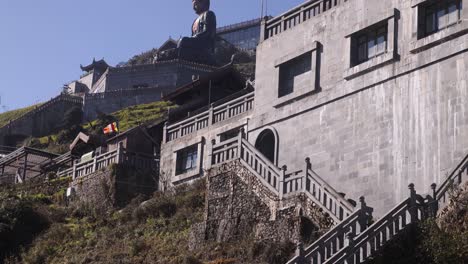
<point>261,12</point>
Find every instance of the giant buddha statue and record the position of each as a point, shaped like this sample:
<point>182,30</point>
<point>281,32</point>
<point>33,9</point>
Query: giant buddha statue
<point>200,46</point>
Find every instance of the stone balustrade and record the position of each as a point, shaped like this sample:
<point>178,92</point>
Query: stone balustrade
<point>210,117</point>
<point>296,16</point>
<point>118,156</point>
<point>279,181</point>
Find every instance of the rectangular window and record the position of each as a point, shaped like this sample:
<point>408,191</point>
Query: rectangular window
<point>292,69</point>
<point>186,159</point>
<point>368,43</point>
<point>437,15</point>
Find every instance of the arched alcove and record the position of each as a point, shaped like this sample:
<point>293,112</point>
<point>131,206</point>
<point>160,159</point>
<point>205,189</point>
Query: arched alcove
<point>267,144</point>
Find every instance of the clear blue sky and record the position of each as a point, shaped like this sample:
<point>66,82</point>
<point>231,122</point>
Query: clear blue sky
<point>44,42</point>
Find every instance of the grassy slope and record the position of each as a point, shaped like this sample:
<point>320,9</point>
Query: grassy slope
<point>158,232</point>
<point>128,117</point>
<point>135,115</point>
<point>14,114</point>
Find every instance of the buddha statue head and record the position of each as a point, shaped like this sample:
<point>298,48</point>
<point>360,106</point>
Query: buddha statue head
<point>201,6</point>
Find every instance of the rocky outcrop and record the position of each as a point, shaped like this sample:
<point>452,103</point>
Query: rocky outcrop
<point>239,206</point>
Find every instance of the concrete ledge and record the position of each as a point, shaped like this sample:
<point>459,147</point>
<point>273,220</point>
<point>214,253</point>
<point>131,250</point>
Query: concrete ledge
<point>189,175</point>
<point>370,65</point>
<point>440,37</point>
<point>290,98</point>
<point>415,3</point>
<point>308,48</point>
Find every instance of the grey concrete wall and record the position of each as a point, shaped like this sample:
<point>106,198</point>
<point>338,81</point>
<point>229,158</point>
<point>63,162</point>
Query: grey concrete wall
<point>162,74</point>
<point>370,131</point>
<point>41,121</point>
<point>110,102</point>
<point>203,138</point>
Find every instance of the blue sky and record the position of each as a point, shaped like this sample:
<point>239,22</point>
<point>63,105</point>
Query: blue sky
<point>44,42</point>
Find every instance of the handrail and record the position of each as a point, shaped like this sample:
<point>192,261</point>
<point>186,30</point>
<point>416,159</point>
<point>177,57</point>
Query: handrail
<point>279,181</point>
<point>333,241</point>
<point>395,220</point>
<point>348,208</point>
<point>297,15</point>
<point>213,115</point>
<point>37,109</point>
<point>456,173</point>
<point>117,156</point>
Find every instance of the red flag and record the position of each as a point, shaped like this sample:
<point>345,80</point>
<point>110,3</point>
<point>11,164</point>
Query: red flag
<point>111,128</point>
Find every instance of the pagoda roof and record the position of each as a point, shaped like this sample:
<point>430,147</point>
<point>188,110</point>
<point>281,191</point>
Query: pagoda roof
<point>169,44</point>
<point>100,64</point>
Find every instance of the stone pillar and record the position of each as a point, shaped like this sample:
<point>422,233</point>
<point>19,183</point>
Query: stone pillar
<point>365,215</point>
<point>300,253</point>
<point>212,160</point>
<point>25,167</point>
<point>263,30</point>
<point>74,170</point>
<point>434,207</point>
<point>241,136</point>
<point>413,209</point>
<point>281,181</point>
<point>306,173</point>
<point>165,133</point>
<point>350,244</point>
<point>210,116</point>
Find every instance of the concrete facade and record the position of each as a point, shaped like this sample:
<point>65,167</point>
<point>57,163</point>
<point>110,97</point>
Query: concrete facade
<point>161,74</point>
<point>39,122</point>
<point>373,128</point>
<point>202,139</point>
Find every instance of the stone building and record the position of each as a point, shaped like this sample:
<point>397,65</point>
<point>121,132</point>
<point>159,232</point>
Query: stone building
<point>376,102</point>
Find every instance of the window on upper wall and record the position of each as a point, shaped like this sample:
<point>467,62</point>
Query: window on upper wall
<point>291,72</point>
<point>434,16</point>
<point>186,159</point>
<point>368,43</point>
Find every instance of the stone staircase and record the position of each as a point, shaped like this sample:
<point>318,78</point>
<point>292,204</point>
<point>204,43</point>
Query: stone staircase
<point>283,184</point>
<point>351,240</point>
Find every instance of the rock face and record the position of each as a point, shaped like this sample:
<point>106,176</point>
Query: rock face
<point>113,186</point>
<point>238,206</point>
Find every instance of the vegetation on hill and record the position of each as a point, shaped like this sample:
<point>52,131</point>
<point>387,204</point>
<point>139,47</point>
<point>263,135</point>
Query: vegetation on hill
<point>127,118</point>
<point>153,231</point>
<point>14,114</point>
<point>440,241</point>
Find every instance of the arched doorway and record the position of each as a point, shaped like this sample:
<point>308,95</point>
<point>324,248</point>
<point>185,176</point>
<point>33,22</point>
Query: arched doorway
<point>267,144</point>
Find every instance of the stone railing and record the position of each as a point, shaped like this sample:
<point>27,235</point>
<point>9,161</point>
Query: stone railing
<point>318,191</point>
<point>334,240</point>
<point>296,16</point>
<point>214,115</point>
<point>117,156</point>
<point>280,182</point>
<point>455,178</point>
<point>359,248</point>
<point>45,106</point>
<point>5,150</point>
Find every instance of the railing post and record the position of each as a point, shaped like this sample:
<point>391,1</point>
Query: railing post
<point>74,170</point>
<point>306,172</point>
<point>165,133</point>
<point>263,29</point>
<point>365,214</point>
<point>239,142</point>
<point>119,152</point>
<point>300,253</point>
<point>350,244</point>
<point>210,116</point>
<point>94,163</point>
<point>434,206</point>
<point>212,157</point>
<point>413,210</point>
<point>281,181</point>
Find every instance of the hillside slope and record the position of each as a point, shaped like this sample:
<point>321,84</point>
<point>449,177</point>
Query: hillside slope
<point>14,114</point>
